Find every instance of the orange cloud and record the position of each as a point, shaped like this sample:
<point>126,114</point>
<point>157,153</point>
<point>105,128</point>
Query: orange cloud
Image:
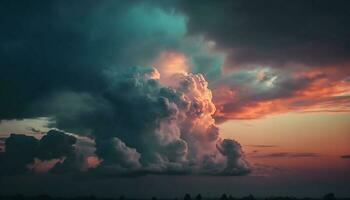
<point>93,161</point>
<point>42,166</point>
<point>327,91</point>
<point>169,63</point>
<point>310,89</point>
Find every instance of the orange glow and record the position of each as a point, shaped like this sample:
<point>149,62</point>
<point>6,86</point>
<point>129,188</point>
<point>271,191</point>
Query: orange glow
<point>322,94</point>
<point>42,166</point>
<point>93,161</point>
<point>169,63</point>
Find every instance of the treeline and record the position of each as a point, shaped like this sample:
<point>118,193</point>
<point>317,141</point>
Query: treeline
<point>329,196</point>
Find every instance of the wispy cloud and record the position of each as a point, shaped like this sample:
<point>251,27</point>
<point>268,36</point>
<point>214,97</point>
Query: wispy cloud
<point>262,146</point>
<point>35,131</point>
<point>288,155</point>
<point>250,94</point>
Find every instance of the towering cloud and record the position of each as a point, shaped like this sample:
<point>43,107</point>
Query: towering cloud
<point>139,126</point>
<point>76,69</point>
<point>143,126</point>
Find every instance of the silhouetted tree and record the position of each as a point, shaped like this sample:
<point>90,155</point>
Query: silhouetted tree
<point>18,197</point>
<point>92,197</point>
<point>250,197</point>
<point>231,197</point>
<point>223,197</point>
<point>187,197</point>
<point>122,197</point>
<point>43,197</point>
<point>329,196</point>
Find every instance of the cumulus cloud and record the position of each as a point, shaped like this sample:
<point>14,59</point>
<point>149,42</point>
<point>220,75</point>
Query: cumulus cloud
<point>140,126</point>
<point>24,152</point>
<point>144,126</point>
<point>115,152</point>
<point>233,153</point>
<point>20,151</point>
<point>55,144</point>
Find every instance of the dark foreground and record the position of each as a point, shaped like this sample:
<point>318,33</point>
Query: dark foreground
<point>329,196</point>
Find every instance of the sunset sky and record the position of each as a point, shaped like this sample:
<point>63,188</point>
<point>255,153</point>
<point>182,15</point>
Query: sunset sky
<point>210,97</point>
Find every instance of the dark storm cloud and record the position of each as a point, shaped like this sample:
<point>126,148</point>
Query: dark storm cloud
<point>73,63</point>
<point>53,46</point>
<point>55,144</point>
<point>115,151</point>
<point>49,47</point>
<point>274,32</point>
<point>140,126</point>
<point>39,51</point>
<point>21,150</point>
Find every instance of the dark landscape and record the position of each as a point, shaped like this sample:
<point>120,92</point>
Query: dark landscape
<point>329,196</point>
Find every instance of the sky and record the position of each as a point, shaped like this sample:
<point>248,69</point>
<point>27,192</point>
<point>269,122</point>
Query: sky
<point>238,97</point>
